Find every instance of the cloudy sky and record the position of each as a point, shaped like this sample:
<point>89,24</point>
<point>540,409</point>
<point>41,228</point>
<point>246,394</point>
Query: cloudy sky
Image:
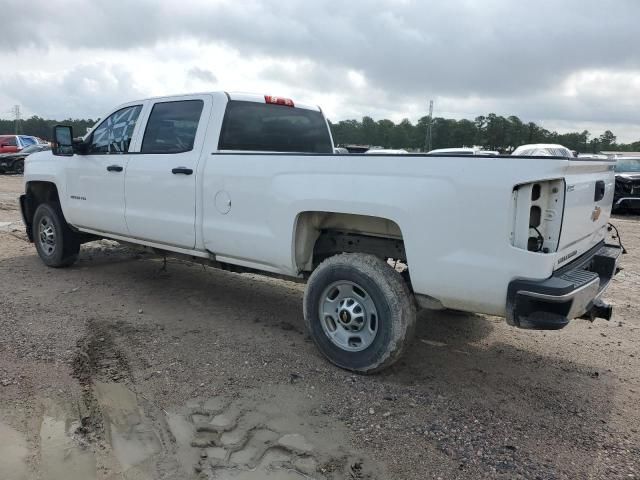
<point>569,65</point>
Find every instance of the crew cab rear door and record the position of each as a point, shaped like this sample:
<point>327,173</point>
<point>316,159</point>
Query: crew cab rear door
<point>160,182</point>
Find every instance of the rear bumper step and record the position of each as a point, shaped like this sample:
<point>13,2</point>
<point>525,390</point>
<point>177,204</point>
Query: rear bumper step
<point>571,292</point>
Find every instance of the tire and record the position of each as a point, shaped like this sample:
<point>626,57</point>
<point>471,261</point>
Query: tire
<point>18,166</point>
<point>374,316</point>
<point>56,243</point>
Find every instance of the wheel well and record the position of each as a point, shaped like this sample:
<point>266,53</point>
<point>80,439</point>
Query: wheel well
<point>319,235</point>
<point>42,192</point>
<point>37,193</point>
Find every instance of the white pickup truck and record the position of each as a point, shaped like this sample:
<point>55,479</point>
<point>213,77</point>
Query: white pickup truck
<point>251,183</point>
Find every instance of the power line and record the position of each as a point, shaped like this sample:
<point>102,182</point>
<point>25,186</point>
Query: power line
<point>429,135</point>
<point>17,119</point>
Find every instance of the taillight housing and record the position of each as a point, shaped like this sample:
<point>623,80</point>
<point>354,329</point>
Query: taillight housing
<point>287,102</point>
<point>537,215</point>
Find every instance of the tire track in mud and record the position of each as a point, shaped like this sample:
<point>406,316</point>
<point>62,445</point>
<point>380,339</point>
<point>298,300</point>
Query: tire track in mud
<point>97,358</point>
<point>263,436</point>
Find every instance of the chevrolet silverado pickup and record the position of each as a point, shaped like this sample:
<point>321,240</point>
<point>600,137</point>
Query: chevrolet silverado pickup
<point>251,183</point>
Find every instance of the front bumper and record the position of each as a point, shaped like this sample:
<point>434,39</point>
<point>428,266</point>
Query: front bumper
<point>572,291</point>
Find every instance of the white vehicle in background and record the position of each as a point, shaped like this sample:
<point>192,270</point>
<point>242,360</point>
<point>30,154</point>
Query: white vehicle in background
<point>385,151</point>
<point>543,150</point>
<point>592,155</point>
<point>463,151</point>
<point>250,183</point>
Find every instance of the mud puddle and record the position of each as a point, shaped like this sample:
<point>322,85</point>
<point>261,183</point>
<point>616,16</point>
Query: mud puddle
<point>13,454</point>
<point>126,451</point>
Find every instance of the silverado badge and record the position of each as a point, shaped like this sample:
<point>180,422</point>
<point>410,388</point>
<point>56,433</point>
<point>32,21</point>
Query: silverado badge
<point>595,215</point>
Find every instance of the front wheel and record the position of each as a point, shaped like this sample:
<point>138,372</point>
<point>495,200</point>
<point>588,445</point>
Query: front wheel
<point>56,243</point>
<point>359,312</point>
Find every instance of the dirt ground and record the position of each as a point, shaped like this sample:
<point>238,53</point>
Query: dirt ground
<point>115,369</point>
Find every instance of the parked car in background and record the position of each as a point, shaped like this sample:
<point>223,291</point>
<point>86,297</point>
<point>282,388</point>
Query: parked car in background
<point>592,155</point>
<point>15,143</point>
<point>14,162</point>
<point>462,151</point>
<point>385,151</point>
<point>543,150</point>
<point>340,151</point>
<point>627,192</point>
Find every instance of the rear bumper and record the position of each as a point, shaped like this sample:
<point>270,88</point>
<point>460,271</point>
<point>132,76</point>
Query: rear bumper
<point>572,291</point>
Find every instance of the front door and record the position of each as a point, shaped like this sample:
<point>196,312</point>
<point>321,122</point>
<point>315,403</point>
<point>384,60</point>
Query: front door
<point>95,181</point>
<point>160,184</point>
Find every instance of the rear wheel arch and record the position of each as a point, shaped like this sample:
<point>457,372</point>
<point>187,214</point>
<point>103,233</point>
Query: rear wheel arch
<point>320,234</point>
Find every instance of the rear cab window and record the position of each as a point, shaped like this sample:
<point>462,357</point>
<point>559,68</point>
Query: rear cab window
<point>255,126</point>
<point>172,127</point>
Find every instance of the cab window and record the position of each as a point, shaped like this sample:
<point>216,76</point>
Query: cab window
<point>114,134</point>
<point>172,127</point>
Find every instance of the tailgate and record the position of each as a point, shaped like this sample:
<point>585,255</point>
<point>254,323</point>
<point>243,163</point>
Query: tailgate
<point>589,186</point>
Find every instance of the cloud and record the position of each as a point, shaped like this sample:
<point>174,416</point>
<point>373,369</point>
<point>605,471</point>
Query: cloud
<point>83,91</point>
<point>553,61</point>
<point>202,75</point>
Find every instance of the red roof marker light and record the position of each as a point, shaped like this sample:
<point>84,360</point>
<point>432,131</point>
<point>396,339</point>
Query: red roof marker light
<point>287,102</point>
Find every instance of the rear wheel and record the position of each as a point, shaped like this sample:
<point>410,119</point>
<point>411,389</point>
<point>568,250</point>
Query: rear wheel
<point>359,312</point>
<point>56,243</point>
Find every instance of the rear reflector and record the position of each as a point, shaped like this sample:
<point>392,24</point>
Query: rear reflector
<point>287,102</point>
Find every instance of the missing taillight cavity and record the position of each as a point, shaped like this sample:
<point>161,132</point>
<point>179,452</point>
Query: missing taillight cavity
<point>287,102</point>
<point>535,192</point>
<point>537,215</point>
<point>534,216</point>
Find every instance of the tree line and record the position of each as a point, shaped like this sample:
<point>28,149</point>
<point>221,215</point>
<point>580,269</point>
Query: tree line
<point>42,128</point>
<point>493,132</point>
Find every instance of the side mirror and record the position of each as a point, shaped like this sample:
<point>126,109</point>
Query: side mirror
<point>62,141</point>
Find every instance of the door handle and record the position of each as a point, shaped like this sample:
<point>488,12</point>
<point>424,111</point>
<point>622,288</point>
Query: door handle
<point>182,170</point>
<point>114,168</point>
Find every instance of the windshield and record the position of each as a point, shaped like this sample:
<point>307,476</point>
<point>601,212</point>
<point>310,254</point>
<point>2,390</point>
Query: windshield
<point>628,165</point>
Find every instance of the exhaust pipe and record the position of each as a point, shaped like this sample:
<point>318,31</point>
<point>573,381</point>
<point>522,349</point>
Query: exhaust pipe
<point>598,309</point>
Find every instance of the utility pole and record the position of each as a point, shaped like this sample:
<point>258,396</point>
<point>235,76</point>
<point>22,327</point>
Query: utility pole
<point>429,136</point>
<point>17,118</point>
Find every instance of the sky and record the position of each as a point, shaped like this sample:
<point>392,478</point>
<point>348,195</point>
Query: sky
<point>568,65</point>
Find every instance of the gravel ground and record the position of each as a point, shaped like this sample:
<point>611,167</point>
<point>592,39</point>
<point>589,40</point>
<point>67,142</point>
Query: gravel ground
<point>115,368</point>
